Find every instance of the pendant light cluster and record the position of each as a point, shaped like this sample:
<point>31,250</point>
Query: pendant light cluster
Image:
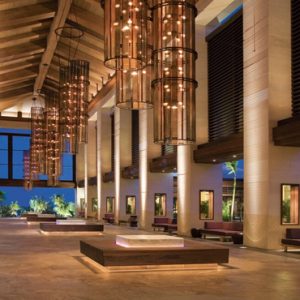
<point>52,135</point>
<point>37,145</point>
<point>62,125</point>
<point>127,26</point>
<point>174,82</point>
<point>74,92</point>
<point>27,173</point>
<point>170,67</point>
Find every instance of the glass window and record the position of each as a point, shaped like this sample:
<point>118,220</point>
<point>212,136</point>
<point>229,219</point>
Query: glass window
<point>206,205</point>
<point>130,205</point>
<point>110,204</point>
<point>3,142</point>
<point>160,205</point>
<point>21,142</point>
<point>290,204</point>
<point>3,171</point>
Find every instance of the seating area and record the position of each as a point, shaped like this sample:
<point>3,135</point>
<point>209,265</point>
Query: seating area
<point>71,226</point>
<point>42,218</point>
<point>292,238</point>
<point>109,218</point>
<point>224,229</point>
<point>167,224</point>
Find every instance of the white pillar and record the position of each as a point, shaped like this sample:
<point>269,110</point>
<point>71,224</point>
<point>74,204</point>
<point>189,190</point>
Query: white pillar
<point>267,99</point>
<point>85,153</point>
<point>99,165</point>
<point>143,166</point>
<point>117,164</point>
<point>184,161</point>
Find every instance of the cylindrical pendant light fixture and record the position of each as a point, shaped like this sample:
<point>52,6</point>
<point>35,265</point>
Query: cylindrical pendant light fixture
<point>53,141</point>
<point>80,77</point>
<point>27,171</point>
<point>74,92</point>
<point>37,141</point>
<point>133,89</point>
<point>125,34</point>
<point>174,83</point>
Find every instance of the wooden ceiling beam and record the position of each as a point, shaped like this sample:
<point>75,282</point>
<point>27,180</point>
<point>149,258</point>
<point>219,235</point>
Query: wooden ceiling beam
<point>15,4</point>
<point>14,53</point>
<point>31,27</point>
<point>25,58</point>
<point>21,84</point>
<point>86,29</point>
<point>58,21</point>
<point>22,39</point>
<point>16,92</point>
<point>27,14</point>
<point>19,65</point>
<point>15,76</point>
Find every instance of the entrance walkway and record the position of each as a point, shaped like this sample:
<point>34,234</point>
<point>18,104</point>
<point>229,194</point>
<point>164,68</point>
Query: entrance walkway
<point>33,266</point>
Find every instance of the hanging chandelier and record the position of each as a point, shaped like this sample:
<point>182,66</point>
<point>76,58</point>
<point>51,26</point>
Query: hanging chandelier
<point>37,146</point>
<point>133,87</point>
<point>52,138</point>
<point>74,93</point>
<point>174,84</point>
<point>125,30</point>
<point>27,170</point>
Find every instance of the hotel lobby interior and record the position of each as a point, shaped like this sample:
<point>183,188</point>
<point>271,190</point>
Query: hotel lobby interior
<point>150,149</point>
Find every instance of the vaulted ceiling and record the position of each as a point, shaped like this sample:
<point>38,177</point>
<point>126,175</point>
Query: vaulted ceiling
<point>31,52</point>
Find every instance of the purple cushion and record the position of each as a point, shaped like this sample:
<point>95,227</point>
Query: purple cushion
<point>293,233</point>
<point>234,226</point>
<point>213,225</point>
<point>160,220</point>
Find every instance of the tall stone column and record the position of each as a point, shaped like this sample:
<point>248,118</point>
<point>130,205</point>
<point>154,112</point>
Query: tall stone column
<point>184,162</point>
<point>99,165</point>
<point>267,99</point>
<point>85,154</point>
<point>143,166</point>
<point>117,164</point>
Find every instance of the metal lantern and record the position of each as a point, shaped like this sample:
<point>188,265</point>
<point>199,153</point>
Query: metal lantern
<point>37,150</point>
<point>125,34</point>
<point>27,171</point>
<point>52,137</point>
<point>74,83</point>
<point>133,87</point>
<point>174,84</point>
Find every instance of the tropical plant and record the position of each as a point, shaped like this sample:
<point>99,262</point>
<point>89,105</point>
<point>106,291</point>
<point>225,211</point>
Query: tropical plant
<point>63,208</point>
<point>38,204</point>
<point>231,166</point>
<point>5,211</point>
<point>226,205</point>
<point>2,196</point>
<point>14,208</point>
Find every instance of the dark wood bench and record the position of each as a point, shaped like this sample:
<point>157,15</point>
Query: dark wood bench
<point>168,225</point>
<point>224,229</point>
<point>292,238</point>
<point>41,218</point>
<point>131,221</point>
<point>109,218</point>
<point>53,227</point>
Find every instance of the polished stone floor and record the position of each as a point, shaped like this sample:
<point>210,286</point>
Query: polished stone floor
<point>34,266</point>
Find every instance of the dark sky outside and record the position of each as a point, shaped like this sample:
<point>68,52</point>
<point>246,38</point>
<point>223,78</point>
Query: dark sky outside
<point>18,193</point>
